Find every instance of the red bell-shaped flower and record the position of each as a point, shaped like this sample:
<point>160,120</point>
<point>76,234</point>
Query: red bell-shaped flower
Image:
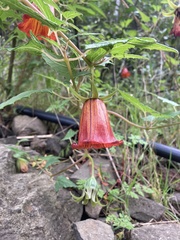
<point>31,24</point>
<point>95,130</point>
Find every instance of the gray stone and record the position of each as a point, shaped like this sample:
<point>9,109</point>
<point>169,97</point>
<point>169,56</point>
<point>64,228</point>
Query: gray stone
<point>93,230</point>
<point>167,231</point>
<point>85,171</point>
<point>93,211</point>
<point>144,209</point>
<point>30,209</point>
<point>23,125</point>
<point>175,201</point>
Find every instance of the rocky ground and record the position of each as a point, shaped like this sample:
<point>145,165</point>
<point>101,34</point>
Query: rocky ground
<point>30,208</point>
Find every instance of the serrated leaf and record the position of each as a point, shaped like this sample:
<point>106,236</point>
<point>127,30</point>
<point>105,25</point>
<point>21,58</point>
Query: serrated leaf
<point>23,95</point>
<point>17,5</point>
<point>147,189</point>
<point>142,43</point>
<point>135,102</point>
<point>50,160</point>
<point>70,14</point>
<point>161,117</point>
<point>139,189</point>
<point>108,44</point>
<point>165,100</point>
<point>84,9</point>
<point>130,56</point>
<point>69,134</point>
<point>144,17</point>
<point>59,66</point>
<point>95,55</point>
<point>160,47</point>
<point>97,9</point>
<point>63,182</point>
<point>31,46</point>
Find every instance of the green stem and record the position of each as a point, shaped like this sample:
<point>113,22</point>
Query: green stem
<point>138,126</point>
<point>70,72</point>
<point>33,7</point>
<point>92,162</point>
<point>70,43</point>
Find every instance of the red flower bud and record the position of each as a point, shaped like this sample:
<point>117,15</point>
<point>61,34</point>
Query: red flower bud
<point>30,24</point>
<point>94,129</point>
<point>125,73</point>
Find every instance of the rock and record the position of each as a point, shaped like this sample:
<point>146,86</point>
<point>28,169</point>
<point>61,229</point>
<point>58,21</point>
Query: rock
<point>58,147</point>
<point>165,231</point>
<point>93,230</point>
<point>85,170</point>
<point>38,145</point>
<point>23,125</point>
<point>144,209</point>
<point>93,211</point>
<point>175,201</point>
<point>29,206</point>
<point>9,140</point>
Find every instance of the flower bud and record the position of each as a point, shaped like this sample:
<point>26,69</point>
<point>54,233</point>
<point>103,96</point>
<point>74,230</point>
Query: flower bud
<point>125,73</point>
<point>22,165</point>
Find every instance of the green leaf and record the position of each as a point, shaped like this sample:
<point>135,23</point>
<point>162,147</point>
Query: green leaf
<point>63,182</point>
<point>142,43</point>
<point>83,9</point>
<point>147,189</point>
<point>165,100</point>
<point>95,55</point>
<point>59,65</point>
<point>50,160</point>
<point>121,221</point>
<point>31,46</point>
<point>69,134</point>
<point>161,117</point>
<point>70,14</point>
<point>138,189</point>
<point>160,47</point>
<point>50,19</point>
<point>106,44</point>
<point>23,95</point>
<point>135,102</point>
<point>96,9</point>
<point>144,17</point>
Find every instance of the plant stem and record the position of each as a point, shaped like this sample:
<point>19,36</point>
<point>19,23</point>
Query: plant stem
<point>138,126</point>
<point>70,43</point>
<point>92,162</point>
<point>11,65</point>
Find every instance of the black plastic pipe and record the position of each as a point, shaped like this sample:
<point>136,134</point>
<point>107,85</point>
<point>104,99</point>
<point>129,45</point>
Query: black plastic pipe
<point>159,149</point>
<point>166,151</point>
<point>48,116</point>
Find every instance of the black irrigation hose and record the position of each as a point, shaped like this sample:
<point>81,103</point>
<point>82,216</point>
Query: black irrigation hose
<point>166,151</point>
<point>159,149</point>
<point>51,117</point>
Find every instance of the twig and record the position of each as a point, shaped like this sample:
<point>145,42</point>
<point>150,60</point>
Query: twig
<point>154,223</point>
<point>37,136</point>
<point>114,166</point>
<point>70,166</point>
<point>73,162</point>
